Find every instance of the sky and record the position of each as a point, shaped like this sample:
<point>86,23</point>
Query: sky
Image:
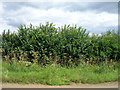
<point>96,17</point>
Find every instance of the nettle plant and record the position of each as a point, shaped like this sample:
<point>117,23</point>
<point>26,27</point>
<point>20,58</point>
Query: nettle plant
<point>68,45</point>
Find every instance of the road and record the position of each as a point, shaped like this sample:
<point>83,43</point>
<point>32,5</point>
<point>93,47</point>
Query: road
<point>74,85</point>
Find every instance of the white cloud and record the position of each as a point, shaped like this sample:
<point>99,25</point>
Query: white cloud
<point>1,8</point>
<point>26,15</point>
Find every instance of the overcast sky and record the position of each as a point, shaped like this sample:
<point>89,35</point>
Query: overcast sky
<point>96,17</point>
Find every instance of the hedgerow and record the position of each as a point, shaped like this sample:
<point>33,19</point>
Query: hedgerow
<point>67,45</point>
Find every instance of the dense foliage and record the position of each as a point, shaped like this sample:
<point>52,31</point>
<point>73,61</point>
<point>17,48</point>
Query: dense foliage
<point>67,45</point>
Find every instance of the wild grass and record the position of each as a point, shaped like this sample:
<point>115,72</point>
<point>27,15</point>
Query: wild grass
<point>57,75</point>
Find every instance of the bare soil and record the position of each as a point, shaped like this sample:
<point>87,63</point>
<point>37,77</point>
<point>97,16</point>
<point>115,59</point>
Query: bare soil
<point>73,85</point>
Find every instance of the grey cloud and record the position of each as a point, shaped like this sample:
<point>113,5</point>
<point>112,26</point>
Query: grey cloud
<point>38,5</point>
<point>15,22</point>
<point>110,7</point>
<point>100,29</point>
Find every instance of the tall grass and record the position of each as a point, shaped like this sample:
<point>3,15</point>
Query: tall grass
<point>57,75</point>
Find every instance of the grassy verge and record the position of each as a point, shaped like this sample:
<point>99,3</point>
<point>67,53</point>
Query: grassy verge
<point>57,75</point>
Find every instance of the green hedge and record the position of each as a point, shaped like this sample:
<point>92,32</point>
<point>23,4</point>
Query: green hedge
<point>65,45</point>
